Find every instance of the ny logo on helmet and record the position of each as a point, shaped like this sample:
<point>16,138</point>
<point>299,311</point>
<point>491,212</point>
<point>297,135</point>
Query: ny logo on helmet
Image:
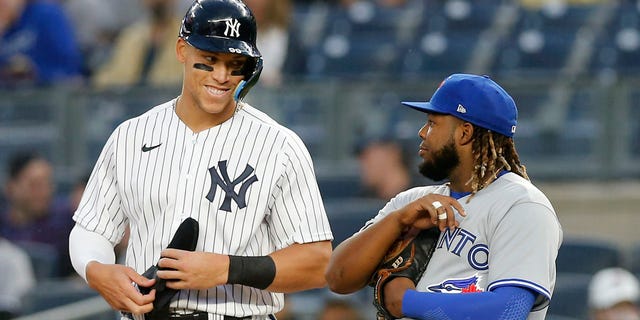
<point>232,28</point>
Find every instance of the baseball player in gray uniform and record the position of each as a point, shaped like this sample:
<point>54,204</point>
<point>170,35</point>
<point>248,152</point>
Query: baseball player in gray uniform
<point>247,180</point>
<point>495,257</point>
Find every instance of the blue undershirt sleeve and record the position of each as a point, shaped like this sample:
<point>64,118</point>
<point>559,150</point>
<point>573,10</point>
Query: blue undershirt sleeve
<point>504,303</point>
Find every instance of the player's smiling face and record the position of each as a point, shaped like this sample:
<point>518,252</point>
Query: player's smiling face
<point>210,80</point>
<point>438,147</point>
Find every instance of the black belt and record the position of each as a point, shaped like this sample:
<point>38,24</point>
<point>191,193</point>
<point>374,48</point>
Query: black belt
<point>198,315</point>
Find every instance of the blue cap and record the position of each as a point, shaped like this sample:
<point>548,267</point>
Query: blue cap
<point>475,99</point>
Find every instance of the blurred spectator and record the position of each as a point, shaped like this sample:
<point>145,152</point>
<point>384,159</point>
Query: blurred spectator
<point>77,190</point>
<point>32,213</point>
<point>276,40</point>
<point>287,312</point>
<point>97,23</point>
<point>339,309</point>
<point>17,278</point>
<point>145,52</point>
<point>614,294</point>
<point>37,44</point>
<point>385,169</point>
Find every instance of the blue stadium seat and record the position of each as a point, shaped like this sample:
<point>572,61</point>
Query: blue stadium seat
<point>540,42</point>
<point>339,186</point>
<point>634,258</point>
<point>44,258</point>
<point>570,296</point>
<point>617,48</point>
<point>444,41</point>
<point>358,41</point>
<point>634,126</point>
<point>348,215</point>
<point>437,55</point>
<point>587,256</point>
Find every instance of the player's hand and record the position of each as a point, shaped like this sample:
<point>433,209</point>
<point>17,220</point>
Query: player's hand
<point>193,270</point>
<point>394,292</point>
<point>115,282</point>
<point>432,210</point>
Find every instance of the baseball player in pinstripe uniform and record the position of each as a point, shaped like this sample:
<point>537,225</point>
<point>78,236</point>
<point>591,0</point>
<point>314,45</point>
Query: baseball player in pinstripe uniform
<point>495,258</point>
<point>206,155</point>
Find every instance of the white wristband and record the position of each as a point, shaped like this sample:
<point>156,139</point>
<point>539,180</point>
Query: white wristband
<point>86,246</point>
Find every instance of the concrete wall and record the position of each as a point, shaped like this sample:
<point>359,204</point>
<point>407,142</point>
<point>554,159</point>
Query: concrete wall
<point>604,210</point>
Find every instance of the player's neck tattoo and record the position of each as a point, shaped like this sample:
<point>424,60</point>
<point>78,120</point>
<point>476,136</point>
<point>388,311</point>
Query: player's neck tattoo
<point>203,66</point>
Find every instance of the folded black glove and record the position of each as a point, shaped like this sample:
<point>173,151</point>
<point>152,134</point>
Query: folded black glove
<point>186,238</point>
<point>407,257</point>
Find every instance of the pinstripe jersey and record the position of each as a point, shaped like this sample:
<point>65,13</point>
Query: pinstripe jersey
<point>249,182</point>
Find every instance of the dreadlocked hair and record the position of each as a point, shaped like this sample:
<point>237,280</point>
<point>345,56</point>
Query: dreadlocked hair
<point>492,153</point>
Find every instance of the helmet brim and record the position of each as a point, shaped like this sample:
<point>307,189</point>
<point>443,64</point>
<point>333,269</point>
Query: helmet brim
<point>220,44</point>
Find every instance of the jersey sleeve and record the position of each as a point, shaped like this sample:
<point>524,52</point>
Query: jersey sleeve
<point>100,207</point>
<point>524,249</point>
<point>403,198</point>
<point>298,214</point>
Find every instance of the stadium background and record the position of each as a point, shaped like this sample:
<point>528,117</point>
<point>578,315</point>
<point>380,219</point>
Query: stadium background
<point>572,67</point>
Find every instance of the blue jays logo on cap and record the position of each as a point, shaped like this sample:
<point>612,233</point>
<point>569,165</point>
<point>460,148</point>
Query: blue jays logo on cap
<point>475,99</point>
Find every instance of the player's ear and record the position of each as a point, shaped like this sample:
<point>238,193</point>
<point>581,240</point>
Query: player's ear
<point>181,48</point>
<point>465,133</point>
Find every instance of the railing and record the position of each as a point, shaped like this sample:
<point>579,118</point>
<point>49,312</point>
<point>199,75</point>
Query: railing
<point>594,134</point>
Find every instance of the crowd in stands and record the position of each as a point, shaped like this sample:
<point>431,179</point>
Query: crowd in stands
<point>123,43</point>
<point>105,44</point>
<point>115,43</point>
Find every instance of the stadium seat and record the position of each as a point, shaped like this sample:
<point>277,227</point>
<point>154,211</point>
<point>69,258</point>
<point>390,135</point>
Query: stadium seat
<point>361,40</point>
<point>634,258</point>
<point>617,47</point>
<point>587,256</point>
<point>348,215</point>
<point>444,41</point>
<point>541,40</point>
<point>43,256</point>
<point>339,186</point>
<point>570,296</point>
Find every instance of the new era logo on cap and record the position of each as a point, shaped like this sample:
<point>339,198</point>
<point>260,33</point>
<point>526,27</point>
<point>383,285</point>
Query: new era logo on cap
<point>475,99</point>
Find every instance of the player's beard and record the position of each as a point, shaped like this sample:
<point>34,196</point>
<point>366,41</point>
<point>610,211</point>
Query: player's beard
<point>444,161</point>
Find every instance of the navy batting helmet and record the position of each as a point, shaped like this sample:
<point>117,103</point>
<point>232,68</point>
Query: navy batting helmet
<point>225,26</point>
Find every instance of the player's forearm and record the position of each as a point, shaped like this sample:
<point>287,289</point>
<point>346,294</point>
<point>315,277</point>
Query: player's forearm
<point>505,303</point>
<point>300,267</point>
<point>86,246</point>
<point>355,259</point>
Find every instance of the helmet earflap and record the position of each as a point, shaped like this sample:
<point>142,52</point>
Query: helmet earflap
<point>250,79</point>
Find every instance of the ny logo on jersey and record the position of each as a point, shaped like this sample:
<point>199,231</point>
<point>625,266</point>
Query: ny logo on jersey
<point>232,28</point>
<point>228,186</point>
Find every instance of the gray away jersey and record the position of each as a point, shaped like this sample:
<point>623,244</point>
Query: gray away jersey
<point>249,182</point>
<point>510,237</point>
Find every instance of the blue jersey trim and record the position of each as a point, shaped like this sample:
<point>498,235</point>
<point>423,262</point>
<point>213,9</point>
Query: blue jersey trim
<point>544,295</point>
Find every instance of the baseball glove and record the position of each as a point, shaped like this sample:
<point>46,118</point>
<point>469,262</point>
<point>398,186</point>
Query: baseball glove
<point>186,238</point>
<point>407,257</point>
